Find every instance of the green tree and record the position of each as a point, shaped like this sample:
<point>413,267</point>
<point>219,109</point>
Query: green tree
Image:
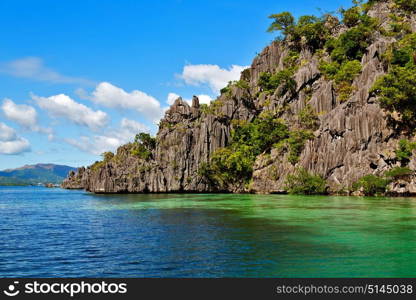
<point>296,143</point>
<point>401,57</point>
<point>404,151</point>
<point>343,74</point>
<point>230,165</point>
<point>107,156</point>
<point>348,71</point>
<point>313,30</point>
<point>353,43</point>
<point>264,82</point>
<point>282,79</point>
<point>310,28</point>
<point>329,69</point>
<point>259,135</point>
<point>143,145</point>
<point>351,16</point>
<point>407,5</point>
<point>145,139</point>
<point>308,118</point>
<point>396,91</point>
<point>304,183</point>
<point>234,163</point>
<point>398,172</point>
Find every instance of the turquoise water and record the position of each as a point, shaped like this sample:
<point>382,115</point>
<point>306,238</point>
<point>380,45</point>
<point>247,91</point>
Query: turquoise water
<point>60,233</point>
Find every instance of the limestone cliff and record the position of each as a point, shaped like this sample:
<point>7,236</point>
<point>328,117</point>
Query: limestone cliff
<point>352,137</point>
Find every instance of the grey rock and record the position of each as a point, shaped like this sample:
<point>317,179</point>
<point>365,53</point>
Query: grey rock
<point>353,138</point>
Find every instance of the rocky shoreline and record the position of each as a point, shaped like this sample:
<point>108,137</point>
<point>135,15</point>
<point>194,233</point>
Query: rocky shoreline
<point>352,137</point>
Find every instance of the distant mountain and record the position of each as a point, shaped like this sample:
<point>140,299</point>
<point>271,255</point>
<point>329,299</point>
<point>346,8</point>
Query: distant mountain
<point>33,174</point>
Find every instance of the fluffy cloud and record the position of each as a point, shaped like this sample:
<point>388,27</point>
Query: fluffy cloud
<point>98,144</point>
<point>203,99</point>
<point>95,145</point>
<point>10,143</point>
<point>212,75</point>
<point>130,128</point>
<point>24,115</point>
<point>63,106</point>
<point>7,133</point>
<point>34,68</point>
<point>109,95</point>
<point>14,147</point>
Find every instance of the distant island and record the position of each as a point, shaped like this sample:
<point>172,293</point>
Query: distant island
<point>35,174</point>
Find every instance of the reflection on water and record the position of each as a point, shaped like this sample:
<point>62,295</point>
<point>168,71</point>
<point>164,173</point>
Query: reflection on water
<point>58,233</point>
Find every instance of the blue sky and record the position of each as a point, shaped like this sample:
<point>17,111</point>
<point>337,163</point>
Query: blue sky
<point>78,78</point>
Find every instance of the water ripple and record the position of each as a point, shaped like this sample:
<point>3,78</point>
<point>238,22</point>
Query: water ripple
<point>59,233</point>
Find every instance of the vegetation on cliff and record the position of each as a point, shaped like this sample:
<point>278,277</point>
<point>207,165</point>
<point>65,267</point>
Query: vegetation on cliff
<point>396,90</point>
<point>234,164</point>
<point>405,151</point>
<point>308,117</point>
<point>308,29</point>
<point>143,145</point>
<point>371,184</point>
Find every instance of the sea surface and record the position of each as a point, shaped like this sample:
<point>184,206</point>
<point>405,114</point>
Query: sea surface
<point>60,233</point>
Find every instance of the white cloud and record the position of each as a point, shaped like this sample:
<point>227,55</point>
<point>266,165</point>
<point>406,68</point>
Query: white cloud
<point>24,115</point>
<point>212,75</point>
<point>14,147</point>
<point>10,143</point>
<point>63,106</point>
<point>203,99</point>
<point>130,128</point>
<point>98,144</point>
<point>34,68</point>
<point>109,95</point>
<point>95,145</point>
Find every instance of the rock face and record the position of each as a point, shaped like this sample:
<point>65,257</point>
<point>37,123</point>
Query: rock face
<point>352,139</point>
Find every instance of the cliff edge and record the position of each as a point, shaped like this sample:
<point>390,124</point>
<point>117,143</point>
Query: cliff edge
<point>310,101</point>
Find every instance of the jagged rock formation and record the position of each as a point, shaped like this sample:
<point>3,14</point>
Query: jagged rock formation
<point>352,139</point>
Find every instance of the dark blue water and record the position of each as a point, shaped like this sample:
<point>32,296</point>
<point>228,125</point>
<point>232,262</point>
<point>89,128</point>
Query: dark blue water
<point>59,233</point>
